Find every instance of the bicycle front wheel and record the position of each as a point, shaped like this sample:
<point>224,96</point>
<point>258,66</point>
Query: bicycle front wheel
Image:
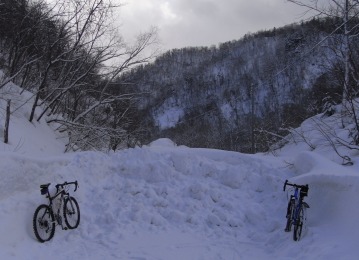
<point>43,223</point>
<point>289,216</point>
<point>298,226</point>
<point>71,213</point>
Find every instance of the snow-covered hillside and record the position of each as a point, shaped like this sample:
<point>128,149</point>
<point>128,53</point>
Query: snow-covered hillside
<point>164,201</point>
<point>26,138</point>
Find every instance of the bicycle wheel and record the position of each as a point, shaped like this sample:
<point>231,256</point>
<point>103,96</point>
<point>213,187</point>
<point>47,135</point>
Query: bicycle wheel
<point>43,223</point>
<point>298,226</point>
<point>71,213</point>
<point>290,210</point>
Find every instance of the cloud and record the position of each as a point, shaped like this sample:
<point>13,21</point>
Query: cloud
<point>205,22</point>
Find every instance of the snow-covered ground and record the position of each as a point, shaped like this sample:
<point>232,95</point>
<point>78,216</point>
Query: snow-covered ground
<point>164,201</point>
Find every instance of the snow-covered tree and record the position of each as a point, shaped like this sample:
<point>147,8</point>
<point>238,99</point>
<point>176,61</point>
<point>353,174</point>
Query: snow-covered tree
<point>346,32</point>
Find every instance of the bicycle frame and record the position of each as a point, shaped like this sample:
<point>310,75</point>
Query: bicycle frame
<point>65,213</point>
<point>298,204</point>
<point>60,191</point>
<point>57,215</point>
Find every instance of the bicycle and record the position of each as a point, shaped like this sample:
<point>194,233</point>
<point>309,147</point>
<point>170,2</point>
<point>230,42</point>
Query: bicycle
<point>296,210</point>
<point>47,216</point>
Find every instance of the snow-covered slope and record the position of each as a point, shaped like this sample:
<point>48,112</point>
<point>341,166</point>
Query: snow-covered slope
<point>27,138</point>
<point>164,201</point>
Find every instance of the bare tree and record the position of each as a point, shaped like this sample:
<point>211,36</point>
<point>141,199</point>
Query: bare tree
<point>93,59</point>
<point>22,37</point>
<point>69,54</point>
<point>347,13</point>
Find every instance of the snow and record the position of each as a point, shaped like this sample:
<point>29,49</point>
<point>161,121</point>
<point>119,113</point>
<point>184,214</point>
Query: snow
<point>25,137</point>
<point>170,118</point>
<point>165,201</point>
<point>169,114</point>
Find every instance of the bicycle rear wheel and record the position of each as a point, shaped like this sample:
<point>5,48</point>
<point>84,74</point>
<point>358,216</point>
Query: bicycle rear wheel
<point>298,226</point>
<point>71,213</point>
<point>43,223</point>
<point>289,216</point>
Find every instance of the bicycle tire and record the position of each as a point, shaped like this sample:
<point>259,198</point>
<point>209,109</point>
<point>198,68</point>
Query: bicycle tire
<point>298,227</point>
<point>43,223</point>
<point>290,210</point>
<point>71,213</point>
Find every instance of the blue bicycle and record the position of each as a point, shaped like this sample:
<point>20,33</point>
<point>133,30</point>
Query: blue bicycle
<point>296,209</point>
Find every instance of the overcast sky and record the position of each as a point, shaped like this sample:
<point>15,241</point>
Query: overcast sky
<point>184,23</point>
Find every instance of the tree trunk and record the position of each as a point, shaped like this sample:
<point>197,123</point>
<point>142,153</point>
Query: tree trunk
<point>32,114</point>
<point>346,94</point>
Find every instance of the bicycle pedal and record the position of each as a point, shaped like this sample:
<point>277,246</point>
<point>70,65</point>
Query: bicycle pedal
<point>65,228</point>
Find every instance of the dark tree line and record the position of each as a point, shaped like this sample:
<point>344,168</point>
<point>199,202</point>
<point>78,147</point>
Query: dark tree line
<point>242,95</point>
<point>247,94</point>
<point>68,54</point>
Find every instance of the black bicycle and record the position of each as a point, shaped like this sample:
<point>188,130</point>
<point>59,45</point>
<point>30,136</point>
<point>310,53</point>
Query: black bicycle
<point>296,210</point>
<point>60,205</point>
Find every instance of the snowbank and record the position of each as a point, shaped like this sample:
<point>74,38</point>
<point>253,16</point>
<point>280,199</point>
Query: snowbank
<point>164,201</point>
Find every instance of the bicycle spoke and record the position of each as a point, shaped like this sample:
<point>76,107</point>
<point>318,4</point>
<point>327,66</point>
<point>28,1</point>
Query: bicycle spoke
<point>71,213</point>
<point>43,224</point>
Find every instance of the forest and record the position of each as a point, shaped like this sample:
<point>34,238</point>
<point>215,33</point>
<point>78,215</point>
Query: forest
<point>243,95</point>
<point>68,54</point>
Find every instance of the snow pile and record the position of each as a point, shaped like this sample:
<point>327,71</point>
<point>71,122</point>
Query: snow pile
<point>172,202</point>
<point>196,198</point>
<point>164,201</point>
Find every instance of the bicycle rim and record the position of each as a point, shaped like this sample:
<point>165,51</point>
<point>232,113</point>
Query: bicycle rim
<point>289,215</point>
<point>43,223</point>
<point>71,213</point>
<point>298,228</point>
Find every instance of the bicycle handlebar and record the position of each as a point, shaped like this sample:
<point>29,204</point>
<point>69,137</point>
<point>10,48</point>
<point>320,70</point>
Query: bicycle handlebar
<point>67,183</point>
<point>294,185</point>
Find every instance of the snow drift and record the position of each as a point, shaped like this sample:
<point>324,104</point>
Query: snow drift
<point>164,201</point>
